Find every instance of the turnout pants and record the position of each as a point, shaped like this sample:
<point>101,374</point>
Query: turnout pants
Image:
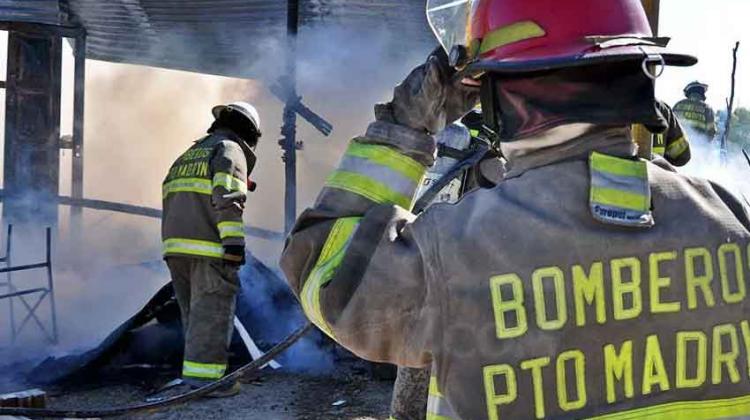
<point>206,291</point>
<point>409,401</point>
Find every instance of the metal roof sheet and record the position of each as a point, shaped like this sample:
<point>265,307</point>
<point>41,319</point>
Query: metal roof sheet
<point>34,11</point>
<point>226,37</point>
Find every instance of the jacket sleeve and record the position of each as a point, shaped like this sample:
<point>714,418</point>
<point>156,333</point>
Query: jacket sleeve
<point>229,191</point>
<point>676,140</point>
<point>359,260</point>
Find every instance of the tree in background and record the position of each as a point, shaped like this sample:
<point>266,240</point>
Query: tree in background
<point>739,137</point>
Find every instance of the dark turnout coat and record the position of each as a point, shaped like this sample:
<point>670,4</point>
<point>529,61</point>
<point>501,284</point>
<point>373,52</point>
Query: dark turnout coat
<point>588,283</point>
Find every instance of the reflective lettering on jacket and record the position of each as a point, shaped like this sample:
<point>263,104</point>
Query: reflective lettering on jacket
<point>697,115</point>
<point>616,291</point>
<point>203,199</point>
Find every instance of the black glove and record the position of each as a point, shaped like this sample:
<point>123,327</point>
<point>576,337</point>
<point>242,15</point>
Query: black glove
<point>234,255</point>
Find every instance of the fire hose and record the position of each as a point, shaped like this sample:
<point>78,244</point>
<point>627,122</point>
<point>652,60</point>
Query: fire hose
<point>169,402</point>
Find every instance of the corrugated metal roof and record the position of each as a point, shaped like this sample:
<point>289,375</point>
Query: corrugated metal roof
<point>227,37</point>
<point>34,11</point>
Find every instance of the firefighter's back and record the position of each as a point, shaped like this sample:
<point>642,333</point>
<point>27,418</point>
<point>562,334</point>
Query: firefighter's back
<point>549,312</point>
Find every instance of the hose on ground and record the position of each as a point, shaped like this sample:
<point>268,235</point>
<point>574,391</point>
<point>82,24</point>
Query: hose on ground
<point>169,402</point>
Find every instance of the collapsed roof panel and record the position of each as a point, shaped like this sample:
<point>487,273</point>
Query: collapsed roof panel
<point>34,11</point>
<point>211,36</point>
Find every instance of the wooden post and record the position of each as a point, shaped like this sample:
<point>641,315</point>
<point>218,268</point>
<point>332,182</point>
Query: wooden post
<point>652,11</point>
<point>32,129</point>
<point>641,136</point>
<point>730,106</point>
<point>289,130</point>
<point>78,110</point>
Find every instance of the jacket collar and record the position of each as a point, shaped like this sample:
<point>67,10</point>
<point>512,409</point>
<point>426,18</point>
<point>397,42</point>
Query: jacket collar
<point>228,134</point>
<point>570,142</point>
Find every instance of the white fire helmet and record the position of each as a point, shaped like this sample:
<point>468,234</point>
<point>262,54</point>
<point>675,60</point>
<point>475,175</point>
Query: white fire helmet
<point>244,108</point>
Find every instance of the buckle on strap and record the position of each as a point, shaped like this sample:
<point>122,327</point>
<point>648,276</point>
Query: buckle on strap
<point>619,193</point>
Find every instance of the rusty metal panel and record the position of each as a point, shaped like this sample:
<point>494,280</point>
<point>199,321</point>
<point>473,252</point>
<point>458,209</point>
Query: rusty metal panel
<point>34,11</point>
<point>32,127</point>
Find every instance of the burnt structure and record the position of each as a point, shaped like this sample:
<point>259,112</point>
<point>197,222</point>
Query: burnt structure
<point>32,121</point>
<point>225,37</point>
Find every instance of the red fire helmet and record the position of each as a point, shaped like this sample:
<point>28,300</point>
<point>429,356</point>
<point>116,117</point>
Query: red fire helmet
<point>530,35</point>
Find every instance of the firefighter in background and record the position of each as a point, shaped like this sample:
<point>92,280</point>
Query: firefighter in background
<point>671,142</point>
<point>694,112</point>
<point>587,283</point>
<point>204,197</point>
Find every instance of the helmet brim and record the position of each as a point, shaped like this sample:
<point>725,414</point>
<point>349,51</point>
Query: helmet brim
<point>217,110</point>
<point>538,59</point>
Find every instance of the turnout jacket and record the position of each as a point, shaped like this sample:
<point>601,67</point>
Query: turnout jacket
<point>672,143</point>
<point>697,115</point>
<point>587,284</point>
<point>204,196</point>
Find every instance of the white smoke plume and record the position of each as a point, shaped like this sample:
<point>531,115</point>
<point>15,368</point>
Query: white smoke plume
<point>139,119</point>
<point>707,162</point>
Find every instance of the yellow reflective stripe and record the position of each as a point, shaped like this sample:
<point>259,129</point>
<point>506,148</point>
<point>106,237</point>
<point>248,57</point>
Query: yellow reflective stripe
<point>474,133</point>
<point>693,410</point>
<point>434,390</point>
<point>432,416</point>
<point>231,230</point>
<point>388,157</point>
<point>229,182</point>
<point>620,198</point>
<point>203,370</point>
<point>194,185</point>
<point>193,247</point>
<point>677,147</point>
<point>368,188</point>
<point>617,166</point>
<point>659,150</point>
<point>506,35</point>
<point>329,260</point>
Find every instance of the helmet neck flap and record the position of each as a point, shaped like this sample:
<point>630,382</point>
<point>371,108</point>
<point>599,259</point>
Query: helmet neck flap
<point>522,105</point>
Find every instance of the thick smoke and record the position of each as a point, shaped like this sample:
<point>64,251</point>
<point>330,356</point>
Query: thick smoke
<point>707,163</point>
<point>139,119</point>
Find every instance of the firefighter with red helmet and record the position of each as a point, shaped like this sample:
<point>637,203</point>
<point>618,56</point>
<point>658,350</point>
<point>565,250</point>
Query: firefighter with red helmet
<point>588,284</point>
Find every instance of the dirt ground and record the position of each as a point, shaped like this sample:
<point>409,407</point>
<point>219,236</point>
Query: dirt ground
<point>273,396</point>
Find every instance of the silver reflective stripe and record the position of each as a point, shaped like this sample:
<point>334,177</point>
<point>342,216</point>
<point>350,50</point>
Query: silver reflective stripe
<point>194,185</point>
<point>229,182</point>
<point>231,230</point>
<point>383,174</point>
<point>438,407</point>
<point>620,183</point>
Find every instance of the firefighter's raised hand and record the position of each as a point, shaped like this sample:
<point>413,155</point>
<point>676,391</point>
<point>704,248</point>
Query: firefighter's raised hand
<point>430,97</point>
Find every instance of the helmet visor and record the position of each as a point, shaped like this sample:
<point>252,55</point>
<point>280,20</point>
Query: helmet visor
<point>449,20</point>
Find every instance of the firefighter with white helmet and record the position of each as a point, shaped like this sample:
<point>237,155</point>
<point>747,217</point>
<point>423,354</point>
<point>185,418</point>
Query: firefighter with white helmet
<point>588,284</point>
<point>204,196</point>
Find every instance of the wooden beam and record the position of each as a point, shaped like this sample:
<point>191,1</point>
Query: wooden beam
<point>652,11</point>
